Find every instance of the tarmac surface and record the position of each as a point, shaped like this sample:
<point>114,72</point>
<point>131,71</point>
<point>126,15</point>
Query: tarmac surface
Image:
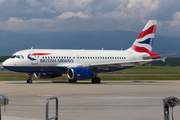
<point>110,100</point>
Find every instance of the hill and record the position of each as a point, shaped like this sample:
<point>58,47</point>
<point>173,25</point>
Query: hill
<point>115,40</point>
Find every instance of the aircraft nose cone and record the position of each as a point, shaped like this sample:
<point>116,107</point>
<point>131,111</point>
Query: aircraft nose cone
<point>5,63</point>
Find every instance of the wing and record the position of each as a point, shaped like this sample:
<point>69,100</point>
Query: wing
<point>105,65</point>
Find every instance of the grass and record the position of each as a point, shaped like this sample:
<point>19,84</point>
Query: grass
<point>136,73</point>
<point>152,70</point>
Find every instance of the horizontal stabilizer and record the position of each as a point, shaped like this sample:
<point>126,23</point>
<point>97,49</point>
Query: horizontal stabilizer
<point>151,57</point>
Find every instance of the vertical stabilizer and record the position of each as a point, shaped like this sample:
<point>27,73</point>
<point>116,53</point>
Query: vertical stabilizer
<point>144,41</point>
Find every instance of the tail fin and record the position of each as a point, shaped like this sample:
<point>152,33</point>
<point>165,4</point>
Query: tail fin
<point>144,41</point>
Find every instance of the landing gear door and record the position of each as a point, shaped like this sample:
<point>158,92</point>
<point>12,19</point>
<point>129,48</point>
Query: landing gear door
<point>33,57</point>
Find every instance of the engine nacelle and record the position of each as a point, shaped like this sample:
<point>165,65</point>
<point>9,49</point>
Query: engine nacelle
<point>80,73</point>
<point>47,75</point>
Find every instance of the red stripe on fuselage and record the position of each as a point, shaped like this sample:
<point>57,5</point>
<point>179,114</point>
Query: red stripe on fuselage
<point>38,54</point>
<point>150,30</point>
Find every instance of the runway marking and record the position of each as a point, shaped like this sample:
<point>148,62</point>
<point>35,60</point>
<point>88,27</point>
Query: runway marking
<point>47,89</point>
<point>46,95</point>
<point>91,105</point>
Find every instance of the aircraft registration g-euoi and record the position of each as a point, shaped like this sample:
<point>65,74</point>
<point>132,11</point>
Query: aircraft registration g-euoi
<point>84,64</point>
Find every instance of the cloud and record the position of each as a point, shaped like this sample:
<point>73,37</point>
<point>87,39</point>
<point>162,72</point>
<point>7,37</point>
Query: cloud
<point>91,15</point>
<point>150,4</point>
<point>176,20</point>
<point>1,1</point>
<point>79,14</point>
<point>33,3</point>
<point>13,20</point>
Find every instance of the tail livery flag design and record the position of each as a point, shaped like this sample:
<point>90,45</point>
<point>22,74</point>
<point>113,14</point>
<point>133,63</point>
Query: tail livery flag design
<point>144,41</point>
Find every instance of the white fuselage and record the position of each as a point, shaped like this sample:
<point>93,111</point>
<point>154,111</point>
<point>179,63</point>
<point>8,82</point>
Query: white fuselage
<point>64,58</point>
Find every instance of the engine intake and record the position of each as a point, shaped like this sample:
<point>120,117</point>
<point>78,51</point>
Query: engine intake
<point>80,73</point>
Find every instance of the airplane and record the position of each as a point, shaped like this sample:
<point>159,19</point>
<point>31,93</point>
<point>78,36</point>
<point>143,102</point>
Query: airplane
<point>84,64</point>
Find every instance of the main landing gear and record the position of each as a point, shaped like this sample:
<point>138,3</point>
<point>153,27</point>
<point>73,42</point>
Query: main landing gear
<point>96,80</point>
<point>72,81</point>
<point>30,78</point>
<point>93,80</point>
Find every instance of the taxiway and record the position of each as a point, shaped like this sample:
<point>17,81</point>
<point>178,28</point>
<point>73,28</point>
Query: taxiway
<point>110,100</point>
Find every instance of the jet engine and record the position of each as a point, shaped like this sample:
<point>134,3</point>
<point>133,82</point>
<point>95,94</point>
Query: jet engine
<point>47,75</point>
<point>80,73</point>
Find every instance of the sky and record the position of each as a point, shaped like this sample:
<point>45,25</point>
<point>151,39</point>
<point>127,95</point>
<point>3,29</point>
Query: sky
<point>89,15</point>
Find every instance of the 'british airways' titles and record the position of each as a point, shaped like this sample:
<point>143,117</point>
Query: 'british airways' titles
<point>56,60</point>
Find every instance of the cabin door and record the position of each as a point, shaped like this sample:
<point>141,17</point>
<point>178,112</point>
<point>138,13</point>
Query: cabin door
<point>33,57</point>
<point>132,56</point>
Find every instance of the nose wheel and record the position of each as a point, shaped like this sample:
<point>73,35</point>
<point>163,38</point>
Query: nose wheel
<point>30,78</point>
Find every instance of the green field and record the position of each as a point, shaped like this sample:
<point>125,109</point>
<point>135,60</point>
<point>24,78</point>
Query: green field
<point>136,73</point>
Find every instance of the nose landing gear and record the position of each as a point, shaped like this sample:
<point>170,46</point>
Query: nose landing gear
<point>30,78</point>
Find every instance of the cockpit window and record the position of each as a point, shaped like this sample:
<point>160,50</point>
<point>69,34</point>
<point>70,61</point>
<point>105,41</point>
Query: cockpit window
<point>17,56</point>
<point>21,56</point>
<point>14,56</point>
